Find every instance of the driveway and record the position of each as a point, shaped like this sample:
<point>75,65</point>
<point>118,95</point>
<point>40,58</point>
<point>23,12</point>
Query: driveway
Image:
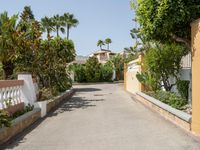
<point>104,117</point>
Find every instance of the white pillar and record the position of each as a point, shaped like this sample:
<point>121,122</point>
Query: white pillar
<point>28,92</point>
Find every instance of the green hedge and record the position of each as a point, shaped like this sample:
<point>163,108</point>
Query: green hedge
<point>183,88</point>
<point>169,98</point>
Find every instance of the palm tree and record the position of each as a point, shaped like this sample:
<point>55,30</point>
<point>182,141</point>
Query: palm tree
<point>70,21</point>
<point>100,43</point>
<point>47,25</point>
<point>27,13</point>
<point>59,24</point>
<point>7,43</point>
<point>108,41</point>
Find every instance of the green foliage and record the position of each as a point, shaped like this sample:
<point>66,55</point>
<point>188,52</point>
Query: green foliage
<point>108,41</point>
<point>8,41</point>
<point>1,71</point>
<point>164,20</point>
<point>183,88</point>
<point>52,60</point>
<point>148,80</point>
<point>47,25</point>
<point>23,50</point>
<point>69,21</point>
<point>79,72</point>
<point>169,98</point>
<point>93,70</point>
<point>163,61</point>
<point>8,102</point>
<point>107,71</point>
<point>5,120</point>
<point>27,108</point>
<point>100,43</point>
<point>118,63</point>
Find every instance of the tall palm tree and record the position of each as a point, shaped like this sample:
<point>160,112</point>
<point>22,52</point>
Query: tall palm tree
<point>100,43</point>
<point>70,21</point>
<point>108,41</point>
<point>59,24</point>
<point>7,43</point>
<point>47,25</point>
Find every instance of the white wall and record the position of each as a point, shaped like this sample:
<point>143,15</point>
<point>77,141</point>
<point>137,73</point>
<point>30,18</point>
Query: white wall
<point>185,74</point>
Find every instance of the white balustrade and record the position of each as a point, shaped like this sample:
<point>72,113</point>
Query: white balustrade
<point>10,92</point>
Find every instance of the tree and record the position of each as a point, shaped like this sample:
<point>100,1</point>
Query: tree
<point>59,24</point>
<point>27,13</point>
<point>79,72</point>
<point>47,25</point>
<point>28,43</point>
<point>107,71</point>
<point>108,41</point>
<point>166,20</point>
<point>100,43</point>
<point>70,21</point>
<point>8,40</point>
<point>118,62</point>
<point>93,73</point>
<point>162,62</point>
<point>53,57</point>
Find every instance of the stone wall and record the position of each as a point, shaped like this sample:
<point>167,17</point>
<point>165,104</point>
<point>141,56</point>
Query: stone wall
<point>177,117</point>
<point>53,103</point>
<point>19,124</point>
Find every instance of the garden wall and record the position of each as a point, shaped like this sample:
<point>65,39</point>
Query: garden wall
<point>53,103</point>
<point>19,124</point>
<point>195,76</point>
<point>178,117</point>
<point>131,83</point>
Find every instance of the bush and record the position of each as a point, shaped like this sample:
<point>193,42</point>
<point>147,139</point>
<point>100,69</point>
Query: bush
<point>169,98</point>
<point>51,67</point>
<point>79,73</point>
<point>183,88</point>
<point>21,112</point>
<point>148,80</point>
<point>163,62</point>
<point>93,72</point>
<point>107,72</point>
<point>5,120</point>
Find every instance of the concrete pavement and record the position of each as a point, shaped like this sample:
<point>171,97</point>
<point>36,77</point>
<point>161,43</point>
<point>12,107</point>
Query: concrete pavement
<point>104,117</point>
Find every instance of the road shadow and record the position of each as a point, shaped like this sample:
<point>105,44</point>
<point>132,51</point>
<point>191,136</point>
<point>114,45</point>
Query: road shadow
<point>86,89</point>
<point>72,104</point>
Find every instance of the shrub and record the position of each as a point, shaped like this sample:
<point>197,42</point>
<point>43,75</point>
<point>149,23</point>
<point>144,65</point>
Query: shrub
<point>93,73</point>
<point>169,98</point>
<point>107,71</point>
<point>148,80</point>
<point>183,87</point>
<point>79,73</point>
<point>5,120</point>
<point>21,112</point>
<point>163,62</point>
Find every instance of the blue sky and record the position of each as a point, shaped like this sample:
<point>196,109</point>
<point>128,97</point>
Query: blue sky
<point>98,19</point>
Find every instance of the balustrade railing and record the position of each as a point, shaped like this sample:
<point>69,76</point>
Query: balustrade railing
<point>10,92</point>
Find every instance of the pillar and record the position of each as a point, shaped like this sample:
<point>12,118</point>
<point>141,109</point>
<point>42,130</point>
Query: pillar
<point>196,76</point>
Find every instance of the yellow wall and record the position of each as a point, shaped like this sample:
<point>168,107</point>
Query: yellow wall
<point>196,76</point>
<point>131,83</point>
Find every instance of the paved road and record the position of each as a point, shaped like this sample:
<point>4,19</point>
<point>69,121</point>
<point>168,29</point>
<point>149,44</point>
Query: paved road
<point>104,117</point>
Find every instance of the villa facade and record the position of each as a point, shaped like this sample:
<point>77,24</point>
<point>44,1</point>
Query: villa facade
<point>103,55</point>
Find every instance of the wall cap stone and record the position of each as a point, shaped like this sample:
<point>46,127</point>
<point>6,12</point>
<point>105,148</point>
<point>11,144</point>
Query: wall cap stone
<point>184,116</point>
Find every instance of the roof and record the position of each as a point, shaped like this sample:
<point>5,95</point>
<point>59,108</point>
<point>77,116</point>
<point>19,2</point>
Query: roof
<point>103,51</point>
